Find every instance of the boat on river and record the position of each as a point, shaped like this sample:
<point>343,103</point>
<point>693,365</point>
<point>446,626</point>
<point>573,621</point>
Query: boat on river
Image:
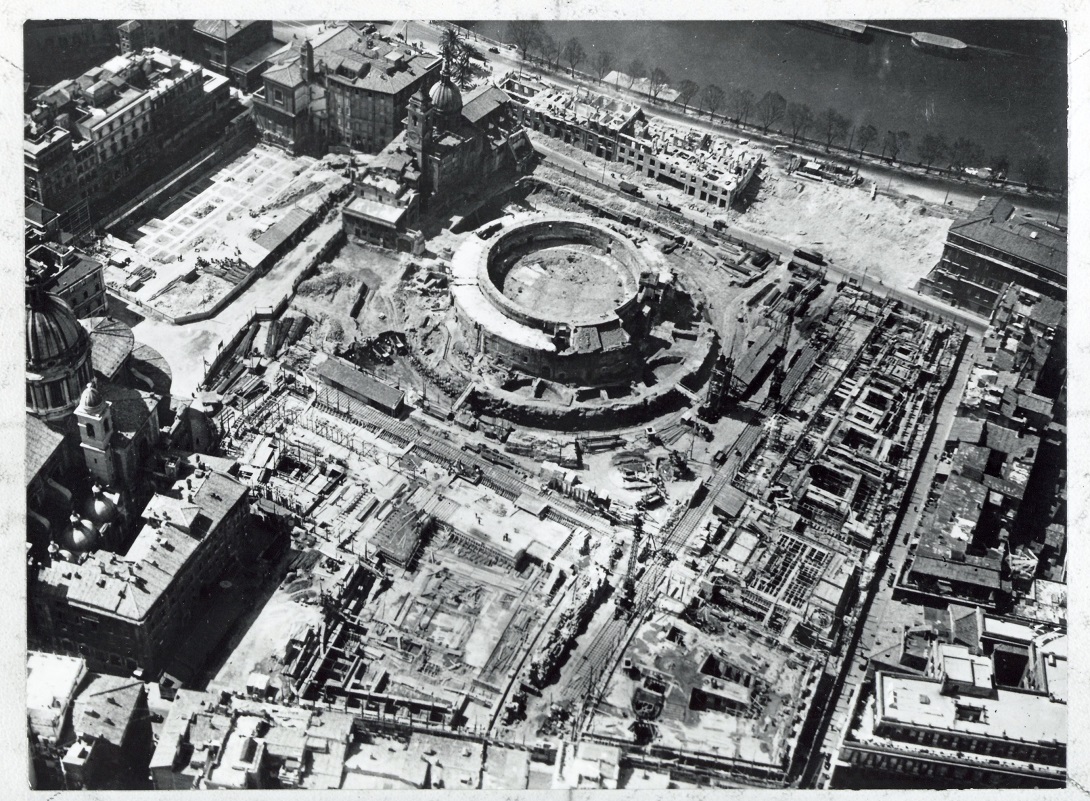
<point>940,45</point>
<point>847,28</point>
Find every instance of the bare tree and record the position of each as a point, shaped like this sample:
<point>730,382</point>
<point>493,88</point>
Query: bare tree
<point>544,45</point>
<point>931,148</point>
<point>658,81</point>
<point>904,139</point>
<point>799,119</point>
<point>833,125</point>
<point>524,33</point>
<point>741,102</point>
<point>636,71</point>
<point>963,153</point>
<point>868,135</point>
<point>713,98</point>
<point>895,143</point>
<point>549,49</point>
<point>574,53</point>
<point>601,64</point>
<point>770,109</point>
<point>686,90</point>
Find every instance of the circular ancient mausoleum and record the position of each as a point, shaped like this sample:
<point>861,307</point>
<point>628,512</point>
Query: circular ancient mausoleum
<point>559,298</point>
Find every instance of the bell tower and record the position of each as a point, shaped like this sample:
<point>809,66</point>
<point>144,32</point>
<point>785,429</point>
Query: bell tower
<point>418,126</point>
<point>95,422</point>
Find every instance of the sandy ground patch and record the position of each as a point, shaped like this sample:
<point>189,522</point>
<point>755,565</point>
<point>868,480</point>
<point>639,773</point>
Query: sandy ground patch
<point>894,240</point>
<point>263,644</point>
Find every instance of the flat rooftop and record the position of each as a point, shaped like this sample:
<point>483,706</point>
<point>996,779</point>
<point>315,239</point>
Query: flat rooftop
<point>1011,715</point>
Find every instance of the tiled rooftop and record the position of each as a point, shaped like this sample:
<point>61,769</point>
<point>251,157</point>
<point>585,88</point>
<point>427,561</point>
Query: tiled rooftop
<point>41,443</point>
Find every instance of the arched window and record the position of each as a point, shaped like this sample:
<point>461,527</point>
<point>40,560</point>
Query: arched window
<point>56,394</point>
<point>90,431</point>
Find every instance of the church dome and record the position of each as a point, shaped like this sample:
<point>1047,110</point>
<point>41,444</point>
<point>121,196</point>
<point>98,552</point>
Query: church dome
<point>53,334</point>
<point>58,354</point>
<point>91,399</point>
<point>445,96</point>
<point>101,510</point>
<point>79,536</point>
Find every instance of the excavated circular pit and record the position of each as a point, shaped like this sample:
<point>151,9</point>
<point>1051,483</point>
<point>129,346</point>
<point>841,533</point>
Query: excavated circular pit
<point>566,281</point>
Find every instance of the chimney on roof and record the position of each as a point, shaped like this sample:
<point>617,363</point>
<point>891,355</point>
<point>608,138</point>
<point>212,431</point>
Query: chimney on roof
<point>308,60</point>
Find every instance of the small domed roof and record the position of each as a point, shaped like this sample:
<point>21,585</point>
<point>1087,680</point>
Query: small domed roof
<point>101,510</point>
<point>52,331</point>
<point>91,398</point>
<point>79,536</point>
<point>445,96</point>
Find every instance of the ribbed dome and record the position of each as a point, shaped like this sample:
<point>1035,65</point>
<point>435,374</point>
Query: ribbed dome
<point>91,399</point>
<point>445,96</point>
<point>79,536</point>
<point>101,510</point>
<point>52,331</point>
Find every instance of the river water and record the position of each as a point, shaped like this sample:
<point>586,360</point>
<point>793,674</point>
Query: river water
<point>1009,95</point>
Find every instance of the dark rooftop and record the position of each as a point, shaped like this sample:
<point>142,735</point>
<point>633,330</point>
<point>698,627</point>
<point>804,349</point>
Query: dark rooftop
<point>995,224</point>
<point>483,102</point>
<point>105,708</point>
<point>217,497</point>
<point>1011,442</point>
<point>111,344</point>
<point>347,58</point>
<point>223,29</point>
<point>977,571</point>
<point>283,229</point>
<point>130,408</point>
<point>41,443</point>
<point>83,267</point>
<point>334,371</point>
<point>965,429</point>
<point>38,214</point>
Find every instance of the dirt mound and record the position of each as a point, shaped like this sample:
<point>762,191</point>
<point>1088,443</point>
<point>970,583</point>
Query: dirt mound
<point>891,239</point>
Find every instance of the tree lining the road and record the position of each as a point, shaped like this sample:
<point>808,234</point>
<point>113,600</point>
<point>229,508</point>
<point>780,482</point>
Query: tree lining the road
<point>525,34</point>
<point>799,119</point>
<point>658,81</point>
<point>712,97</point>
<point>772,109</point>
<point>574,53</point>
<point>602,63</point>
<point>686,90</point>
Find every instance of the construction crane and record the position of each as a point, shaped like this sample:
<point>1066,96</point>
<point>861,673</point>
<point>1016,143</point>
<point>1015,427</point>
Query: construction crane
<point>722,377</point>
<point>780,371</point>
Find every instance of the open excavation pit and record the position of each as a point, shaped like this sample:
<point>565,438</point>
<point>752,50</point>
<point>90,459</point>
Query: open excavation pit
<point>555,297</point>
<point>564,311</point>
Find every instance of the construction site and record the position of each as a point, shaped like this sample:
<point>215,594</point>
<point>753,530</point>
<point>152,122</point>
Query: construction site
<point>660,560</point>
<point>536,438</point>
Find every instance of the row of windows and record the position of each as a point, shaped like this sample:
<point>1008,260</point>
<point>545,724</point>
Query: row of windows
<point>955,742</point>
<point>59,393</point>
